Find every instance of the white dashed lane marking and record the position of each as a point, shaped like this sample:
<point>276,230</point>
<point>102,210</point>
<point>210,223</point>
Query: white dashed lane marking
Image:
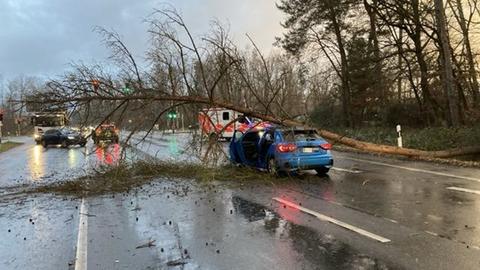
<point>334,221</point>
<point>464,190</point>
<point>415,169</point>
<point>81,255</point>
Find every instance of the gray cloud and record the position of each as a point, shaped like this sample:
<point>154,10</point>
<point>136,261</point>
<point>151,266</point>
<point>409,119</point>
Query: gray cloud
<point>40,37</point>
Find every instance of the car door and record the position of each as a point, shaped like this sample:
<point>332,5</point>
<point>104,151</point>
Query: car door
<point>264,146</point>
<point>48,136</point>
<point>249,148</point>
<point>56,137</point>
<point>235,147</point>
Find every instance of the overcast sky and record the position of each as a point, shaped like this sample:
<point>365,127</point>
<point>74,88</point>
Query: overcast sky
<point>40,37</point>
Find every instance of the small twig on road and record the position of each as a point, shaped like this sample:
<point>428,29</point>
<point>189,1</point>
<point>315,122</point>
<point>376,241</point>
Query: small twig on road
<point>149,244</point>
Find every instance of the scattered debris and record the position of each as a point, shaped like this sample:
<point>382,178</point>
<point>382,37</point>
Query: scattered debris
<point>149,244</point>
<point>176,262</point>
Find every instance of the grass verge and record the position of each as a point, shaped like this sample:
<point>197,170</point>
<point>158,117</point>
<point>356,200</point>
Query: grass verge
<point>8,145</point>
<point>429,139</point>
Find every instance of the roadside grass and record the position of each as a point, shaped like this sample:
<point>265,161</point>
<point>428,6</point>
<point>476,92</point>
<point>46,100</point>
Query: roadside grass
<point>8,145</point>
<point>125,177</point>
<point>429,139</point>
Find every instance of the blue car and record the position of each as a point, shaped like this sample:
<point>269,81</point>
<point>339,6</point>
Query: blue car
<point>281,150</point>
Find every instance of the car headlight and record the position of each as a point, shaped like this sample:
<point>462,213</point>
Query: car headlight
<point>36,136</point>
<point>71,138</point>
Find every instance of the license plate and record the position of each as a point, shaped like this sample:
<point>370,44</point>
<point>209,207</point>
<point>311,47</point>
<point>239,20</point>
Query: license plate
<point>307,150</point>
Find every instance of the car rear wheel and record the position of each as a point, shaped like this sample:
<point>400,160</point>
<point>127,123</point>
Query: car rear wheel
<point>322,171</point>
<point>64,144</point>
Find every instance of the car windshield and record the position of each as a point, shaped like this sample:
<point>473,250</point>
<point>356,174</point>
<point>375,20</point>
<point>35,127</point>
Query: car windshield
<point>300,135</point>
<point>49,121</point>
<point>68,131</point>
<point>107,128</point>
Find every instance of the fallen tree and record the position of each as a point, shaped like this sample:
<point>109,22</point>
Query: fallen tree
<point>334,138</point>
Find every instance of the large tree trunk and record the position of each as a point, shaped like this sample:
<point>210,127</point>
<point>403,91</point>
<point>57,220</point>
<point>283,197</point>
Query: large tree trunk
<point>380,88</point>
<point>474,86</point>
<point>416,36</point>
<point>346,104</point>
<point>448,81</point>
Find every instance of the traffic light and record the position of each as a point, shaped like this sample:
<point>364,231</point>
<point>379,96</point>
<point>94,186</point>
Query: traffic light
<point>126,89</point>
<point>1,116</point>
<point>172,114</point>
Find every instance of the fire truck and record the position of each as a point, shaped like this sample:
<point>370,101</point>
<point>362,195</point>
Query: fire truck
<point>223,122</point>
<point>46,120</point>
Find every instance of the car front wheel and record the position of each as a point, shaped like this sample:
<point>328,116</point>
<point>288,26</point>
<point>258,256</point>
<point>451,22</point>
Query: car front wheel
<point>64,144</point>
<point>44,144</point>
<point>322,171</point>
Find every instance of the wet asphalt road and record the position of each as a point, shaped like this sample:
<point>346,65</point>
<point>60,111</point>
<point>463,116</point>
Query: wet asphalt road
<point>192,225</point>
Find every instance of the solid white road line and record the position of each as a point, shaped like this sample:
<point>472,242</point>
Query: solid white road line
<point>465,190</point>
<point>334,221</point>
<point>345,170</point>
<point>415,169</point>
<point>82,241</point>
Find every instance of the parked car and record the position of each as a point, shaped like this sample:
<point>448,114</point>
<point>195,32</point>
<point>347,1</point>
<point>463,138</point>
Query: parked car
<point>106,132</point>
<point>281,150</point>
<point>63,137</point>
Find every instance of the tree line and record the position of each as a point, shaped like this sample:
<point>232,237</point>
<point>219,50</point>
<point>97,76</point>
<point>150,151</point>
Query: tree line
<point>409,58</point>
<point>343,62</point>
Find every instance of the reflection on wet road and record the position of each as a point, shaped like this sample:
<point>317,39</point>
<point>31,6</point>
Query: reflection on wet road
<point>32,163</point>
<point>207,228</point>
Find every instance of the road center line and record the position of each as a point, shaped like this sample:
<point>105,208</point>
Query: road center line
<point>334,221</point>
<point>464,190</point>
<point>415,169</point>
<point>81,255</point>
<point>345,170</point>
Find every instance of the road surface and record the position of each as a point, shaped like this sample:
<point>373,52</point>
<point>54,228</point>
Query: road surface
<point>368,213</point>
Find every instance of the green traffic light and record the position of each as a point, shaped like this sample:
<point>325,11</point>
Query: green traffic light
<point>172,115</point>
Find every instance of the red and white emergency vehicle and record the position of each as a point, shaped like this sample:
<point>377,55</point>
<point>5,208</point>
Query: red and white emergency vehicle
<point>214,120</point>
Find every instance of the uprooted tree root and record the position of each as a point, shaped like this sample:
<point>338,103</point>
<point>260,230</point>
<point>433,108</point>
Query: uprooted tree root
<point>125,177</point>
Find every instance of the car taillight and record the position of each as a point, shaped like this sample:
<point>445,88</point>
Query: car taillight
<point>286,147</point>
<point>326,146</point>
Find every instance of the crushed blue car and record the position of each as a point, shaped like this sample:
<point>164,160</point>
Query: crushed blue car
<point>281,150</point>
